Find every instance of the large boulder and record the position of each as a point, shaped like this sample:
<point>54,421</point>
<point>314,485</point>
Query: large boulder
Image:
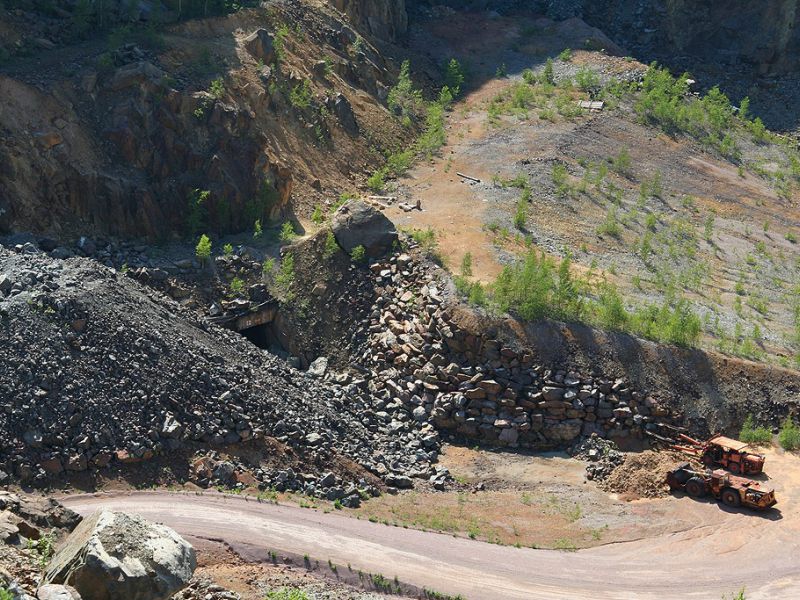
<point>111,556</point>
<point>358,224</point>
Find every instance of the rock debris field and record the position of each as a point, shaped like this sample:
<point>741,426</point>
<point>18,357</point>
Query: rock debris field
<point>97,370</point>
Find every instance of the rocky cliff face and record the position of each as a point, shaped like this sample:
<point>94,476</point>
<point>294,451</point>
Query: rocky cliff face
<point>762,34</point>
<point>123,141</point>
<point>129,171</point>
<point>385,19</point>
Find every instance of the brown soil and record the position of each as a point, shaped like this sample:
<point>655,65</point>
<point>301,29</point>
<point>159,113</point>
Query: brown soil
<point>642,475</point>
<point>478,217</point>
<point>218,564</point>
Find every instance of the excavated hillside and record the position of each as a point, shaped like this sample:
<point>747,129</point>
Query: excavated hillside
<point>120,134</point>
<point>96,370</point>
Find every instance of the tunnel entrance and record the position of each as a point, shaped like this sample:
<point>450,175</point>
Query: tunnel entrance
<point>264,337</point>
<point>256,325</point>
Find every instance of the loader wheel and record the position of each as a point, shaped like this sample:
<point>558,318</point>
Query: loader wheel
<point>708,460</point>
<point>695,487</point>
<point>734,468</point>
<point>731,498</point>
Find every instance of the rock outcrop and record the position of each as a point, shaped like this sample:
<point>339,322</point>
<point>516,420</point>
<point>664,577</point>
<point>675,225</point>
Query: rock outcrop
<point>116,555</point>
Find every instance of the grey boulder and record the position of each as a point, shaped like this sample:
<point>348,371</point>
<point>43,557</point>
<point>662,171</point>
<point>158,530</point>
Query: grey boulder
<point>51,591</point>
<point>358,224</point>
<point>111,556</point>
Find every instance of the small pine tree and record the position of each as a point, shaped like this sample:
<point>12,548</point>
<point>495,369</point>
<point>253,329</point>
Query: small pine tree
<point>227,249</point>
<point>317,217</point>
<point>454,77</point>
<point>237,286</point>
<point>548,75</point>
<point>287,233</point>
<point>203,249</point>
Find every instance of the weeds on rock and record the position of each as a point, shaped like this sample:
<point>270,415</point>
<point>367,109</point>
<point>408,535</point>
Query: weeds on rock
<point>359,255</point>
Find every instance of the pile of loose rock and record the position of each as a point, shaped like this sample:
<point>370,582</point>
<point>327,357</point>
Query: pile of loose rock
<point>470,382</point>
<point>643,475</point>
<point>603,456</point>
<point>96,370</point>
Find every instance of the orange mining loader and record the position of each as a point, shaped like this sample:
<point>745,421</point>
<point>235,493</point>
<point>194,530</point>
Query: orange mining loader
<point>731,490</point>
<point>723,451</point>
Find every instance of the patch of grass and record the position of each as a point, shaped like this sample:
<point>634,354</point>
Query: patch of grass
<point>564,544</point>
<point>287,594</point>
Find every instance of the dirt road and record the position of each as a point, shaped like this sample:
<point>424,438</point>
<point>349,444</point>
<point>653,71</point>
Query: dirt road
<point>757,552</point>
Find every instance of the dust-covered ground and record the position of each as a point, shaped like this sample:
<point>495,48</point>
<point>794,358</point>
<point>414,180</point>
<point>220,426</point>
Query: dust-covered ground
<point>719,231</point>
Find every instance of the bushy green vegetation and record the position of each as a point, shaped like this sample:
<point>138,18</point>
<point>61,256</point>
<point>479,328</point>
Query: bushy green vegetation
<point>454,77</point>
<point>535,93</point>
<point>279,42</point>
<point>237,286</point>
<point>536,287</point>
<point>197,219</point>
<point>789,435</point>
<point>587,80</point>
<point>404,99</point>
<point>665,102</point>
<point>408,103</point>
<point>300,95</point>
<point>752,434</point>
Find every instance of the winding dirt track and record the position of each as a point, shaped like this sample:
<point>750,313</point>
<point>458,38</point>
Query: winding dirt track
<point>759,553</point>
